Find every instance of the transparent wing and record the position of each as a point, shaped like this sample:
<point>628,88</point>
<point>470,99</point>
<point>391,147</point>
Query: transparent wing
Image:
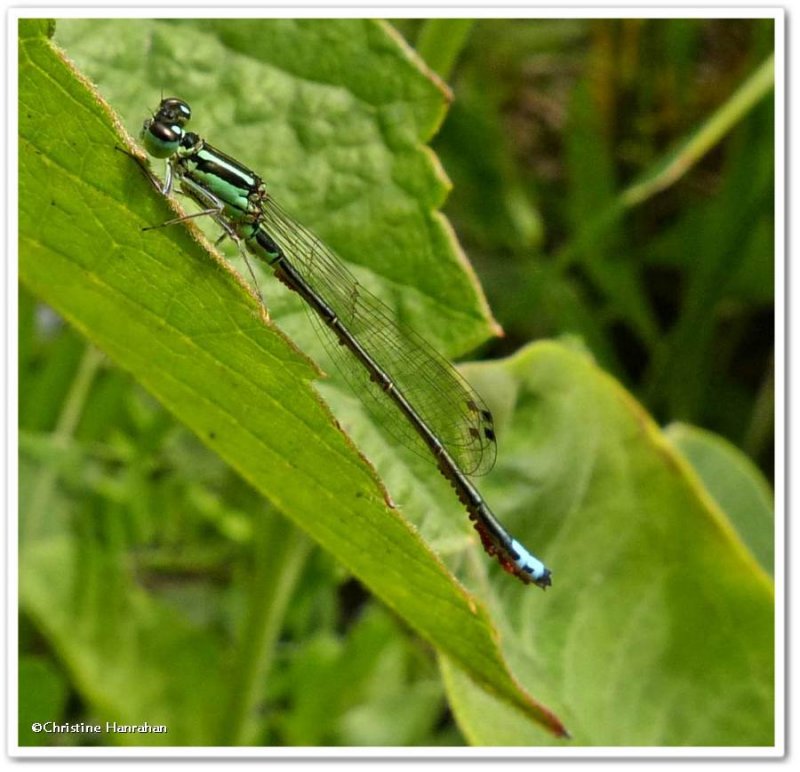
<point>433,387</point>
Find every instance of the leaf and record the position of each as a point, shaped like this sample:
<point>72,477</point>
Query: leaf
<point>180,321</point>
<point>736,484</point>
<point>659,629</point>
<point>342,154</point>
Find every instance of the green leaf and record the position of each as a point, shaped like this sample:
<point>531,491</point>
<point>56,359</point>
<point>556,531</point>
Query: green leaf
<point>180,320</point>
<point>659,628</point>
<point>735,483</point>
<point>342,153</point>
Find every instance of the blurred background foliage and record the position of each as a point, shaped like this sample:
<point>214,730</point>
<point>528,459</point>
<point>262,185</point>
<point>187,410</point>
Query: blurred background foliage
<point>554,126</point>
<point>556,144</point>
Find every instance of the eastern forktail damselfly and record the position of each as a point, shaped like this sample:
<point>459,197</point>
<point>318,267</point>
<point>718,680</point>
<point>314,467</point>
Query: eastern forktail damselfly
<point>435,408</point>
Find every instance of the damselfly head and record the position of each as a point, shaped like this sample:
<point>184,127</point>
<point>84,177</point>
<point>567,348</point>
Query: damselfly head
<point>162,133</point>
<point>173,110</point>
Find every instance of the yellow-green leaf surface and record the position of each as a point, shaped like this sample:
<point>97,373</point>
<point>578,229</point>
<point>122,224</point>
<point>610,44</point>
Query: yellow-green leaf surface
<point>737,485</point>
<point>660,631</point>
<point>182,323</point>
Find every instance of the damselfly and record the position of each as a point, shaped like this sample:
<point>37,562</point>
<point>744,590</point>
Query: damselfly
<point>434,407</point>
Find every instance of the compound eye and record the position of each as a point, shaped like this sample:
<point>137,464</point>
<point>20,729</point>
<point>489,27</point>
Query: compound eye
<point>175,110</point>
<point>166,134</point>
<point>161,140</point>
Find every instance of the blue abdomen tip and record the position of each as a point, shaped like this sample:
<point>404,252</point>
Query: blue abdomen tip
<point>529,564</point>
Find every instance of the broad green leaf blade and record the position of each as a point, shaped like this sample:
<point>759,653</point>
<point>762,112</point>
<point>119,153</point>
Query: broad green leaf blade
<point>181,322</point>
<point>737,485</point>
<point>333,115</point>
<point>660,628</point>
